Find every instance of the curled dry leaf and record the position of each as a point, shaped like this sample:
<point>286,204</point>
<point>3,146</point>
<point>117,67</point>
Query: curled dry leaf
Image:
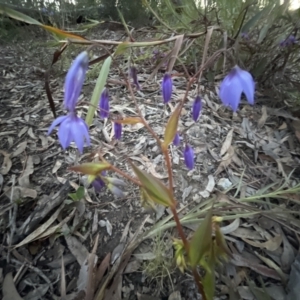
<point>24,179</point>
<point>272,244</point>
<point>21,147</point>
<point>263,118</point>
<point>6,164</point>
<point>108,227</point>
<point>227,143</point>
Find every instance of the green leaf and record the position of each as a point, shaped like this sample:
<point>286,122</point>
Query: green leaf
<point>17,15</point>
<point>73,196</point>
<point>201,241</point>
<point>80,193</point>
<point>157,191</point>
<point>91,168</point>
<point>172,125</point>
<point>122,48</point>
<point>260,67</point>
<point>252,22</point>
<point>209,283</point>
<point>263,32</point>
<point>241,17</point>
<point>101,81</point>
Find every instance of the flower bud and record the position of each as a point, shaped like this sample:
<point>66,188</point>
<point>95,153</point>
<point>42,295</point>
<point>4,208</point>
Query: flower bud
<point>133,73</point>
<point>166,88</point>
<point>74,80</point>
<point>104,104</point>
<point>118,130</point>
<point>189,157</point>
<point>176,140</point>
<point>197,107</point>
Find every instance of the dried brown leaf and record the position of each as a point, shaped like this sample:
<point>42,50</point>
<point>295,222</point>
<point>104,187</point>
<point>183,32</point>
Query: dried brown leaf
<point>263,118</point>
<point>240,261</point>
<point>24,179</point>
<point>226,161</point>
<point>227,142</point>
<point>273,265</point>
<point>76,247</point>
<point>102,269</point>
<point>9,291</point>
<point>6,164</point>
<point>39,231</point>
<point>287,258</point>
<point>272,244</point>
<point>20,149</point>
<point>247,233</point>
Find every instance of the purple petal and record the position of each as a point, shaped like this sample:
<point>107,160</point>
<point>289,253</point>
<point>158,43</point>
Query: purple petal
<point>247,84</point>
<point>189,157</point>
<point>133,73</point>
<point>118,130</point>
<point>167,87</point>
<point>176,140</point>
<point>74,80</point>
<point>104,104</point>
<point>79,133</point>
<point>64,133</point>
<point>231,90</point>
<point>197,106</point>
<point>98,184</point>
<point>56,122</point>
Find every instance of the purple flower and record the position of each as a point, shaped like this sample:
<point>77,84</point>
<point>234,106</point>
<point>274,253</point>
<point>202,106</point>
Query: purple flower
<point>234,84</point>
<point>133,73</point>
<point>189,156</point>
<point>104,104</point>
<point>74,80</point>
<point>196,109</point>
<point>98,184</point>
<point>245,35</point>
<point>291,40</point>
<point>71,128</point>
<point>118,130</point>
<point>166,87</point>
<point>116,191</point>
<point>176,140</point>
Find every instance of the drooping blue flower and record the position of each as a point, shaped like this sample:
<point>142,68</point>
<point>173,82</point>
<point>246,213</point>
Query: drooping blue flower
<point>133,74</point>
<point>189,157</point>
<point>71,129</point>
<point>166,88</point>
<point>74,80</point>
<point>118,130</point>
<point>176,140</point>
<point>104,104</point>
<point>234,84</point>
<point>196,109</point>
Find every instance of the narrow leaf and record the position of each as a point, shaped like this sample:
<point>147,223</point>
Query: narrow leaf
<point>91,168</point>
<point>61,34</point>
<point>129,121</point>
<point>201,240</point>
<point>4,9</point>
<point>101,81</point>
<point>171,127</point>
<point>154,188</point>
<point>209,283</point>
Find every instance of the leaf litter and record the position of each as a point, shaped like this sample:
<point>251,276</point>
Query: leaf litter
<point>256,150</point>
